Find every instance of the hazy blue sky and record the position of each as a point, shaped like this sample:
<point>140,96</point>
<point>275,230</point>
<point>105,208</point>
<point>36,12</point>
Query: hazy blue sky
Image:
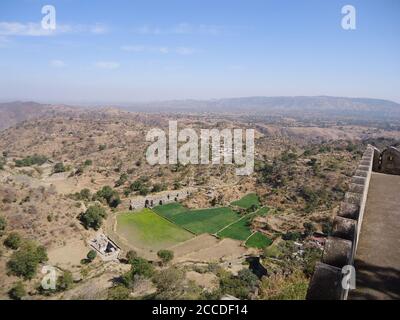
<point>122,51</point>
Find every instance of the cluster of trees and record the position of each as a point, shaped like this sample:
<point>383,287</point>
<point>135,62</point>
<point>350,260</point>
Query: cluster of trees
<point>142,269</point>
<point>83,195</point>
<point>142,187</point>
<point>93,217</point>
<point>24,262</point>
<point>110,196</point>
<point>30,161</point>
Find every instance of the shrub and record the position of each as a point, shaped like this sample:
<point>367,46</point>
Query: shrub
<point>122,179</point>
<point>170,284</point>
<point>88,163</point>
<point>130,256</point>
<point>59,167</point>
<point>118,293</point>
<point>17,291</point>
<point>13,241</point>
<point>240,286</point>
<point>309,228</point>
<point>65,281</point>
<point>280,287</point>
<point>165,256</point>
<point>30,160</point>
<point>91,255</point>
<point>93,217</point>
<point>3,225</point>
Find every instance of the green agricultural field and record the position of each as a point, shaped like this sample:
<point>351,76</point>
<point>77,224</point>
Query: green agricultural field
<point>247,201</point>
<point>240,230</point>
<point>205,220</point>
<point>148,230</point>
<point>258,240</point>
<point>170,210</point>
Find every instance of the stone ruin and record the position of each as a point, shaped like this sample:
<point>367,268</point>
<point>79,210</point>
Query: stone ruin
<point>105,247</point>
<point>161,198</point>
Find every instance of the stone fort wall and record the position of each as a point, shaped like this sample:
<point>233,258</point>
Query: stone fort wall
<point>341,246</point>
<point>160,198</point>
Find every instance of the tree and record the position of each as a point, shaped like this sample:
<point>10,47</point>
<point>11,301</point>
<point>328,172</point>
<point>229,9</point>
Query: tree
<point>142,267</point>
<point>59,167</point>
<point>3,225</point>
<point>17,291</point>
<point>110,196</point>
<point>13,241</point>
<point>91,255</point>
<point>65,281</point>
<point>165,256</point>
<point>24,262</point>
<point>93,217</point>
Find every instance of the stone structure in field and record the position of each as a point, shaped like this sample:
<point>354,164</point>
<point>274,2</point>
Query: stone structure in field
<point>160,198</point>
<point>105,247</point>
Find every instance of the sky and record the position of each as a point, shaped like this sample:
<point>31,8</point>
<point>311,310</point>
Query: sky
<point>130,51</point>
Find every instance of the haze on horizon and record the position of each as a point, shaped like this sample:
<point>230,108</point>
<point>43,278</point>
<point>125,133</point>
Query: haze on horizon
<point>124,51</point>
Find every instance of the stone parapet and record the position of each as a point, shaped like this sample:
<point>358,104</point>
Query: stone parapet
<point>340,248</point>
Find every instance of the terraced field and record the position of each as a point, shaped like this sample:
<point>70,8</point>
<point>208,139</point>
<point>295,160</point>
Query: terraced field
<point>148,230</point>
<point>258,240</point>
<point>198,221</point>
<point>241,230</point>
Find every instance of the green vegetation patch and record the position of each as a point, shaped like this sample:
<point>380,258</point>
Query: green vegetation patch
<point>241,229</point>
<point>170,210</point>
<point>247,201</point>
<point>205,220</point>
<point>146,229</point>
<point>258,240</point>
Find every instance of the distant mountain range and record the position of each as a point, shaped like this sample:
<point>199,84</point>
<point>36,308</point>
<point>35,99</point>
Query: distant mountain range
<point>321,107</point>
<point>286,106</point>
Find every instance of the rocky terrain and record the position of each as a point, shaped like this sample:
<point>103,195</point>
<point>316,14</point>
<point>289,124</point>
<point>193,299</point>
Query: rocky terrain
<point>301,174</point>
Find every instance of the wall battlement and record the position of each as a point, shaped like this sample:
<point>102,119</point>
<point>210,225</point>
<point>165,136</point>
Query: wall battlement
<point>341,246</point>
